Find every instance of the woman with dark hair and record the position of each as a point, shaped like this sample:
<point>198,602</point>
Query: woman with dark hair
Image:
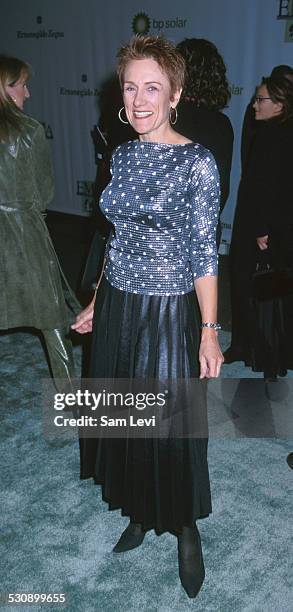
<point>31,293</point>
<point>205,94</point>
<point>249,122</point>
<point>154,314</point>
<point>263,232</point>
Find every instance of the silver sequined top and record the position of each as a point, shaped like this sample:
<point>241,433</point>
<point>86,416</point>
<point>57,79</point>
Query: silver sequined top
<point>163,201</point>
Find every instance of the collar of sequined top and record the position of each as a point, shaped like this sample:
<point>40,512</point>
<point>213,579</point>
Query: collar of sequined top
<point>159,145</point>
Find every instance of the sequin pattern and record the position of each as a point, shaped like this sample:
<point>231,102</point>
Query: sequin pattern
<point>163,201</point>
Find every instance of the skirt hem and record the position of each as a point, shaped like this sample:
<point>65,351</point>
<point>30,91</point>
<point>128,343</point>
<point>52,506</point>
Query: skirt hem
<point>136,519</point>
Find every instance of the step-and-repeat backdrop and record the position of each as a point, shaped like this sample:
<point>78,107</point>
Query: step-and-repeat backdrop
<point>72,45</point>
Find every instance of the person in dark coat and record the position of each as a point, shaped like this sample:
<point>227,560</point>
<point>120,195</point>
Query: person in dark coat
<point>249,121</point>
<point>263,231</point>
<point>206,93</point>
<point>31,293</point>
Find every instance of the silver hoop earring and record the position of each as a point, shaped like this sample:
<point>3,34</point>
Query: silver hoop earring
<point>119,115</point>
<point>174,110</point>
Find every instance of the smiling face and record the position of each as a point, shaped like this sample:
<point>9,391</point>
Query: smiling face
<point>18,92</point>
<point>264,106</point>
<point>147,99</point>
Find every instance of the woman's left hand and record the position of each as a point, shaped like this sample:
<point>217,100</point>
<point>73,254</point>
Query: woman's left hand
<point>210,355</point>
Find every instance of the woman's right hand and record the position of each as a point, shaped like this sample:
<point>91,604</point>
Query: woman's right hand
<point>84,320</point>
<point>262,242</point>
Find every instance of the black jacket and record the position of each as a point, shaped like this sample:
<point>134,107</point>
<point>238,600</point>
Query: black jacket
<point>213,130</point>
<point>267,188</point>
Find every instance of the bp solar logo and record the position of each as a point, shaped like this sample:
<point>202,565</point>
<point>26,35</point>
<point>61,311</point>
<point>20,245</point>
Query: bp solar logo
<point>141,23</point>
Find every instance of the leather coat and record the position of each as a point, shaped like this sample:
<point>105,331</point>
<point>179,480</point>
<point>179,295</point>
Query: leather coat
<point>30,285</point>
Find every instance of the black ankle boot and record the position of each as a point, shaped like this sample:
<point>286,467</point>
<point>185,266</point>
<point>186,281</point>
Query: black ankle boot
<point>191,566</point>
<point>131,537</point>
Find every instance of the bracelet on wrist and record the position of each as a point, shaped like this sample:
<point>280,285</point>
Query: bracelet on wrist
<point>208,325</point>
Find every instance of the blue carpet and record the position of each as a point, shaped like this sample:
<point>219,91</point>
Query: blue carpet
<point>57,534</point>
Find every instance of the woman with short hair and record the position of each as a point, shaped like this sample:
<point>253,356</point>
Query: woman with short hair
<point>155,312</point>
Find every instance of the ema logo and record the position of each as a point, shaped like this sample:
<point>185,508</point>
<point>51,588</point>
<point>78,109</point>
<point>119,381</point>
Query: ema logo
<point>286,12</point>
<point>40,33</point>
<point>142,23</point>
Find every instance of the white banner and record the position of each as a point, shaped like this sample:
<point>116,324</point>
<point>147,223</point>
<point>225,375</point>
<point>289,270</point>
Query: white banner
<point>72,45</point>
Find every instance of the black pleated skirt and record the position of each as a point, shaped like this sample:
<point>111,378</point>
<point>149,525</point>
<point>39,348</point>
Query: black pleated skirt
<point>161,483</point>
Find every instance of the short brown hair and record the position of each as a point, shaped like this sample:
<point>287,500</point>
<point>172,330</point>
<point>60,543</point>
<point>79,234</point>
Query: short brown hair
<point>159,49</point>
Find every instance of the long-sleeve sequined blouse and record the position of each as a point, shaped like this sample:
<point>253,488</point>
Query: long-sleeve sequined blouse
<point>163,201</point>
